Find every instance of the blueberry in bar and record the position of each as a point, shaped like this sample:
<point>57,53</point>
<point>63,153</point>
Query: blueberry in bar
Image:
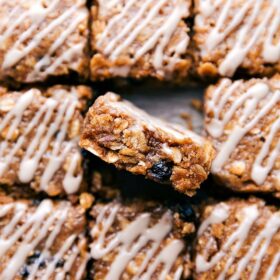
<point>238,239</point>
<point>45,241</point>
<point>139,240</point>
<point>140,39</point>
<point>41,39</point>
<point>122,134</point>
<point>237,36</point>
<point>242,120</point>
<point>39,133</point>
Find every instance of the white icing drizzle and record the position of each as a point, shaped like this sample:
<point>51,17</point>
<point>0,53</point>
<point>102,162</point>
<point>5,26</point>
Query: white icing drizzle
<point>129,242</point>
<point>81,270</point>
<point>60,112</point>
<point>232,246</point>
<point>260,172</point>
<point>220,214</point>
<point>255,26</point>
<point>271,269</point>
<point>253,105</point>
<point>237,238</point>
<point>133,27</point>
<point>32,232</point>
<point>62,251</point>
<point>37,14</point>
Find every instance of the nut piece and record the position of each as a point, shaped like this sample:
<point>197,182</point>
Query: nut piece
<point>86,200</point>
<point>238,168</point>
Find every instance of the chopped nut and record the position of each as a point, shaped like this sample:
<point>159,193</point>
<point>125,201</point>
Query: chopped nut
<point>188,228</point>
<point>238,168</point>
<point>131,269</point>
<point>255,131</point>
<point>137,140</point>
<point>86,200</point>
<point>120,125</point>
<point>200,171</point>
<point>53,190</point>
<point>177,156</point>
<point>112,157</point>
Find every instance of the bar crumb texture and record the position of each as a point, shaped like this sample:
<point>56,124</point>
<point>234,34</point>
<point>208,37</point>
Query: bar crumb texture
<point>138,240</point>
<point>140,39</point>
<point>122,134</point>
<point>238,239</point>
<point>39,132</point>
<point>237,36</point>
<point>42,241</point>
<point>242,120</point>
<point>42,39</point>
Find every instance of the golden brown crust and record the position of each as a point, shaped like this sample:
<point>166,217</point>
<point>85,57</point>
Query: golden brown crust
<point>175,63</point>
<point>121,134</point>
<point>231,244</point>
<point>252,161</point>
<point>43,39</point>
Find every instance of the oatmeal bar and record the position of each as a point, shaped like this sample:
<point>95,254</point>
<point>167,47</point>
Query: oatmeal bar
<point>39,39</point>
<point>120,133</point>
<point>138,240</point>
<point>140,39</point>
<point>44,241</point>
<point>236,35</point>
<point>238,239</point>
<point>39,133</point>
<point>242,119</point>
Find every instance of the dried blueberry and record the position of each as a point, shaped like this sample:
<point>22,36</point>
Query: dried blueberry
<point>90,269</point>
<point>60,263</point>
<point>32,258</point>
<point>42,264</point>
<point>161,171</point>
<point>24,272</point>
<point>187,213</point>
